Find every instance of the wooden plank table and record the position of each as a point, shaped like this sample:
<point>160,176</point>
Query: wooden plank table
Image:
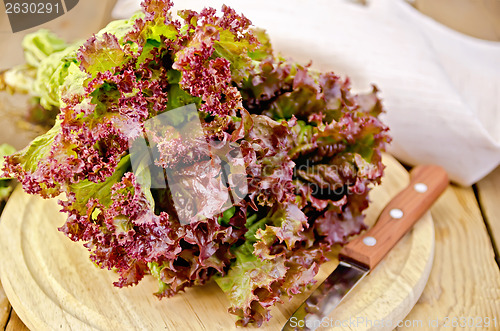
<point>465,279</point>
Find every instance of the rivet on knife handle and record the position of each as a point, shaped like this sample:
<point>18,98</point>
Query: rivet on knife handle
<point>426,184</point>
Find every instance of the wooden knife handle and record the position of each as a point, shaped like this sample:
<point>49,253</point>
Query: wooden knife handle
<point>427,182</point>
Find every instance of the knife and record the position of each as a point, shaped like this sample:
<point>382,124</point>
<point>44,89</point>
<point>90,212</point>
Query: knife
<point>362,254</point>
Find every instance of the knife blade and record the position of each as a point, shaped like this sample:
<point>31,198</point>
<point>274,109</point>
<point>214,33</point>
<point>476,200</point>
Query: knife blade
<point>362,254</point>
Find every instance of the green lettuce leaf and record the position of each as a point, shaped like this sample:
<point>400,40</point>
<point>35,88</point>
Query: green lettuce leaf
<point>37,150</point>
<point>5,150</point>
<point>86,189</point>
<point>247,282</point>
<point>100,54</point>
<point>41,44</point>
<point>5,183</point>
<point>51,75</point>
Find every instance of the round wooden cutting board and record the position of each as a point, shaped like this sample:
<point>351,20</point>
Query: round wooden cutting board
<point>52,284</point>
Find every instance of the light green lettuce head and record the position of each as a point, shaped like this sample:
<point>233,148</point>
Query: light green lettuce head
<point>41,44</point>
<point>53,73</point>
<point>52,69</point>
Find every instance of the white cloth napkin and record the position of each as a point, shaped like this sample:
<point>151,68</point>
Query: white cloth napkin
<point>441,88</point>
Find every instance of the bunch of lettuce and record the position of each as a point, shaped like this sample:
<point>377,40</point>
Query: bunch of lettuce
<point>311,152</point>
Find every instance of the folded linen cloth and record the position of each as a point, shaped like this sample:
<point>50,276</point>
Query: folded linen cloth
<point>441,88</point>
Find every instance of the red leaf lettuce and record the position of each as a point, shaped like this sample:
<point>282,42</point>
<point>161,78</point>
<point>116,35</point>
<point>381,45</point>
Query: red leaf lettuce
<point>310,148</point>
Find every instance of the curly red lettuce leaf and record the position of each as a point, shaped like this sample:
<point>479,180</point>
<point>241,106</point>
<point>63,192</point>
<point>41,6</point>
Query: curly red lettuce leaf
<point>269,168</point>
<point>101,54</point>
<point>214,55</point>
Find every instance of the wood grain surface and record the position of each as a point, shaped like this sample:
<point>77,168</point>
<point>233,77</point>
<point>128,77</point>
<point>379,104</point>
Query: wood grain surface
<point>477,18</point>
<point>4,307</point>
<point>465,280</point>
<point>52,284</point>
<point>15,323</point>
<point>489,197</point>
